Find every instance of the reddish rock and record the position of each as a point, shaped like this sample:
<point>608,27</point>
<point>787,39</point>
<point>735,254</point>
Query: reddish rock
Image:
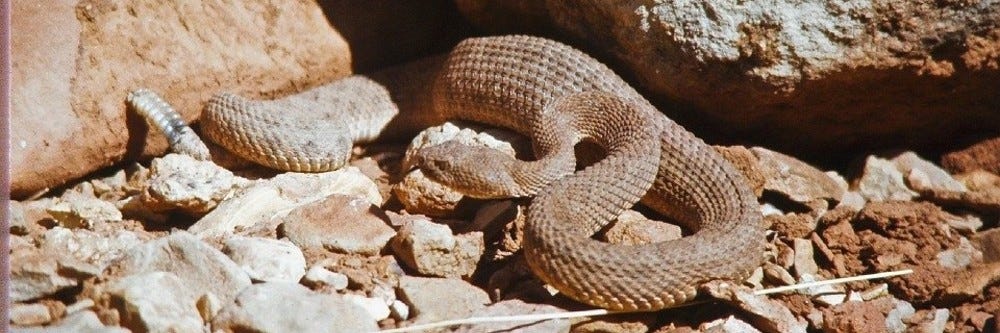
<point>984,155</point>
<point>76,60</point>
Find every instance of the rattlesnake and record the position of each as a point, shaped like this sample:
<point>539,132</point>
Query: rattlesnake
<point>558,96</point>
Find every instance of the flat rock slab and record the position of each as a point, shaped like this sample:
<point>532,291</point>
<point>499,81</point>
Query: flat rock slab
<point>76,60</point>
<point>290,307</point>
<point>434,299</point>
<point>156,302</point>
<point>201,266</point>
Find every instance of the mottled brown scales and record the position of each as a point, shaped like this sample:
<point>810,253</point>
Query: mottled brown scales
<point>558,96</point>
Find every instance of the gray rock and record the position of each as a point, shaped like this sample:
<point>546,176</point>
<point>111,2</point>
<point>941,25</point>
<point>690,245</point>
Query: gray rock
<point>924,175</point>
<point>513,308</point>
<point>795,179</point>
<point>36,273</point>
<point>895,320</point>
<point>80,322</point>
<point>181,182</point>
<point>431,249</point>
<point>338,223</point>
<point>265,259</point>
<point>29,314</point>
<point>881,181</point>
<point>155,302</point>
<point>434,299</point>
<point>289,307</point>
<point>202,267</point>
<point>959,257</point>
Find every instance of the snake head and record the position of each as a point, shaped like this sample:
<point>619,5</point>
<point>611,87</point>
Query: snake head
<point>475,171</point>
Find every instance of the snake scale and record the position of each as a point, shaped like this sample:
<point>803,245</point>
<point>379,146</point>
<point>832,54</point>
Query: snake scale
<point>557,96</point>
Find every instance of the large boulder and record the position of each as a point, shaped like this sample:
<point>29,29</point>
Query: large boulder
<point>74,61</point>
<point>806,77</point>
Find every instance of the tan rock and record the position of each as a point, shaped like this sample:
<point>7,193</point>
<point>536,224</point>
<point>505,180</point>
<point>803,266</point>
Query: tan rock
<point>632,228</point>
<point>68,115</point>
<point>431,249</point>
<point>795,179</point>
<point>338,223</point>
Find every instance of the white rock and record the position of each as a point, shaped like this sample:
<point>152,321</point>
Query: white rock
<point>881,181</point>
<point>92,247</point>
<point>434,299</point>
<point>729,324</point>
<point>203,267</point>
<point>431,249</point>
<point>83,321</point>
<point>156,302</point>
<point>80,211</point>
<point>29,314</point>
<point>828,295</point>
<point>319,276</point>
<point>375,307</point>
<point>853,200</point>
<point>265,201</point>
<point>289,307</point>
<point>178,181</point>
<point>265,259</point>
<point>83,304</point>
<point>400,311</point>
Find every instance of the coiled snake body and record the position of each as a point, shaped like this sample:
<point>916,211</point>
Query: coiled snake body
<point>558,96</point>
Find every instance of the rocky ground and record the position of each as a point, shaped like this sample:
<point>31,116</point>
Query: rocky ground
<point>185,245</point>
